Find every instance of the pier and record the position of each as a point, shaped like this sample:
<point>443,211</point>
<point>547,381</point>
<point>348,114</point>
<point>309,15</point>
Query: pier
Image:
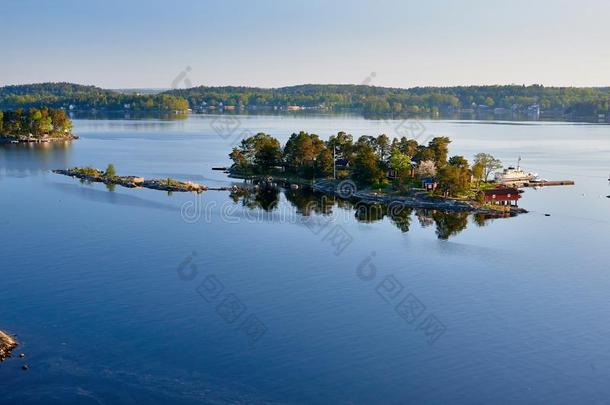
<point>537,183</point>
<point>547,183</point>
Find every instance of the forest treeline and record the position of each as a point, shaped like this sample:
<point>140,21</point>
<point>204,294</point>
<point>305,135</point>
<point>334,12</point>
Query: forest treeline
<point>71,96</point>
<point>559,101</point>
<point>384,100</point>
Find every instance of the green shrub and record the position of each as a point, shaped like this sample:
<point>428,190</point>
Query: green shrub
<point>110,171</point>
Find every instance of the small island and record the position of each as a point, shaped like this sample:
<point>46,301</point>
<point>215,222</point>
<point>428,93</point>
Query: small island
<point>377,170</point>
<point>110,178</point>
<point>7,344</point>
<point>35,125</point>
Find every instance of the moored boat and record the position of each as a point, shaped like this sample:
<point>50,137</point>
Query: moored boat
<point>514,174</point>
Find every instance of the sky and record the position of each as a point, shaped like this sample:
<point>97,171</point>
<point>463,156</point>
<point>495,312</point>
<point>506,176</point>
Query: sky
<point>163,44</point>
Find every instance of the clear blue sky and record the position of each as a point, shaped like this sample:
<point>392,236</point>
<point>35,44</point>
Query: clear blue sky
<point>113,43</point>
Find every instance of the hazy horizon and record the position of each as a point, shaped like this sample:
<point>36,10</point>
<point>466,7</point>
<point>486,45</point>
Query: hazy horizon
<point>160,89</point>
<point>139,44</point>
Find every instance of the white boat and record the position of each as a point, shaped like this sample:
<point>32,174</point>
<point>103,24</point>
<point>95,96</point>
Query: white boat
<point>512,174</point>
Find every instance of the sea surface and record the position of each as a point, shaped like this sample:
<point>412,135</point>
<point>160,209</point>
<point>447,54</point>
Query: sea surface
<point>133,295</point>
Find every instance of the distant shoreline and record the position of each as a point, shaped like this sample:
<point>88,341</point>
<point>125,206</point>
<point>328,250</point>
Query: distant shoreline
<point>477,101</point>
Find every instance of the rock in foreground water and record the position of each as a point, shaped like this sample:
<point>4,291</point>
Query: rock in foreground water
<point>7,344</point>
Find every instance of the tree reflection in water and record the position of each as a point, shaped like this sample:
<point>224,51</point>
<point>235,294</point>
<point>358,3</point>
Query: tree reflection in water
<point>265,198</point>
<point>449,223</point>
<point>307,202</point>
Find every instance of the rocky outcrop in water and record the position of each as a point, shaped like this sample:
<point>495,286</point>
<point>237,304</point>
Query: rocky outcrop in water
<point>7,344</point>
<point>97,176</point>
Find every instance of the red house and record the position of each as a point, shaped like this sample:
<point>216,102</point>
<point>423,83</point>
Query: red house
<point>502,195</point>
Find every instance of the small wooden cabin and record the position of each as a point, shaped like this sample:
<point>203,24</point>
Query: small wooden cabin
<point>428,184</point>
<point>502,195</point>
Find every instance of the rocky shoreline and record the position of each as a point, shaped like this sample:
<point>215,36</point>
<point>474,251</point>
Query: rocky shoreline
<point>417,199</point>
<point>32,139</point>
<point>7,344</point>
<point>134,181</point>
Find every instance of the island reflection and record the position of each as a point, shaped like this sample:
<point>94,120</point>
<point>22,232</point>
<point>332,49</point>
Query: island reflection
<point>31,158</point>
<point>307,203</point>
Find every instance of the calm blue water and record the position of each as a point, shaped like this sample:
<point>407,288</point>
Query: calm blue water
<point>139,296</point>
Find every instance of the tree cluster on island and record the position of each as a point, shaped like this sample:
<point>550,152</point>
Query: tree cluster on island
<point>36,123</point>
<point>109,173</point>
<point>373,162</point>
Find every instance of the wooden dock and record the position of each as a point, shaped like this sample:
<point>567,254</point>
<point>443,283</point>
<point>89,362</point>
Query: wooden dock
<point>548,183</point>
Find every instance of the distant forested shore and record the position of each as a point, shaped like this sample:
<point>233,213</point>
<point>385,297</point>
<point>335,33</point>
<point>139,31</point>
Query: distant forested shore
<point>76,97</point>
<point>371,100</point>
<point>531,101</point>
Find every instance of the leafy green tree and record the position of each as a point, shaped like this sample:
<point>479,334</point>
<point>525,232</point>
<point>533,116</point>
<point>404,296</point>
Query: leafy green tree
<point>459,161</point>
<point>408,146</point>
<point>383,147</point>
<point>449,180</point>
<point>34,116</point>
<point>344,144</point>
<point>301,150</point>
<point>261,149</point>
<point>12,122</point>
<point>239,159</point>
<point>440,147</point>
<point>423,153</point>
<point>454,178</point>
<point>19,122</point>
<point>44,126</point>
<point>325,163</point>
<point>478,171</point>
<point>60,121</point>
<point>367,140</point>
<point>488,162</point>
<point>268,153</point>
<point>401,164</point>
<point>366,168</point>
